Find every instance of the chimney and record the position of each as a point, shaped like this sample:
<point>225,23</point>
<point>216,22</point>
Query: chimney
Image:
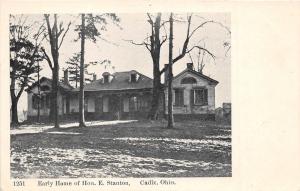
<point>166,73</point>
<point>190,66</point>
<point>94,77</point>
<point>66,76</point>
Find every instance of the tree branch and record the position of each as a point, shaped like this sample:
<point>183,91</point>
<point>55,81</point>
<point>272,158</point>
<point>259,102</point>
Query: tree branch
<point>48,59</point>
<point>22,89</point>
<point>147,45</point>
<point>163,23</point>
<point>62,39</point>
<point>49,28</point>
<point>204,49</point>
<point>150,19</point>
<point>163,40</point>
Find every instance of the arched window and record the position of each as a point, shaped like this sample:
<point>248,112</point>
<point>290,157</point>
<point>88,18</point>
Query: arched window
<point>188,80</point>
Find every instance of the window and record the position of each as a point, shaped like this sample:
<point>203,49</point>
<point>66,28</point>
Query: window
<point>200,97</point>
<point>133,77</point>
<point>179,97</point>
<point>188,80</point>
<point>106,78</point>
<point>44,101</point>
<point>133,103</point>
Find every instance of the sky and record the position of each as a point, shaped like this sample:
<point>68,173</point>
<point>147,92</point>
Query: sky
<point>125,56</point>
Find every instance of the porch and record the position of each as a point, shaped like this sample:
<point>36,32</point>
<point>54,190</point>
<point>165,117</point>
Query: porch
<point>113,105</point>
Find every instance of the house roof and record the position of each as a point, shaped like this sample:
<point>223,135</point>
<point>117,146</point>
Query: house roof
<point>198,74</point>
<point>61,85</point>
<point>120,81</point>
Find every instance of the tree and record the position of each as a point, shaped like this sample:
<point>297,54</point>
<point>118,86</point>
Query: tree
<point>81,94</point>
<point>24,54</point>
<point>88,30</point>
<point>154,44</point>
<point>56,34</point>
<point>170,76</point>
<point>74,69</point>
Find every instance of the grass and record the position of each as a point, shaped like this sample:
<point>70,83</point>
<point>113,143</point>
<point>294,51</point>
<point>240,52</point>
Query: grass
<point>133,149</point>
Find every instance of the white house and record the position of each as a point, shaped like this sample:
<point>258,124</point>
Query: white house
<point>193,94</point>
<point>124,95</point>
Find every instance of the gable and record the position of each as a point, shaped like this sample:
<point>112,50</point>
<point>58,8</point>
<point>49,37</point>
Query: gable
<point>192,77</point>
<point>45,86</point>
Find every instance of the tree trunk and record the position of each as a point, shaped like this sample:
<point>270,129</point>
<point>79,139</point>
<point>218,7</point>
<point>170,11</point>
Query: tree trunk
<point>154,111</point>
<point>55,96</point>
<point>81,94</point>
<point>55,74</point>
<point>14,101</point>
<point>39,94</point>
<point>170,77</point>
<point>54,107</point>
<point>14,112</point>
<point>52,96</point>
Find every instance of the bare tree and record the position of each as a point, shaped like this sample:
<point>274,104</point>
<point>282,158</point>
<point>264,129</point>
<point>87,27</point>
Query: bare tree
<point>154,44</point>
<point>56,34</point>
<point>24,54</point>
<point>185,46</point>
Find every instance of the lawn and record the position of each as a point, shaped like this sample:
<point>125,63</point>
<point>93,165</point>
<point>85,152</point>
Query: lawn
<point>122,149</point>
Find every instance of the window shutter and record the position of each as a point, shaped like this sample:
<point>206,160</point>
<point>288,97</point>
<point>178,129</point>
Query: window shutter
<point>192,97</point>
<point>205,96</point>
<point>181,97</point>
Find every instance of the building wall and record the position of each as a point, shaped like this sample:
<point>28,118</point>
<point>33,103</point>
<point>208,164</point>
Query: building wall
<point>187,108</point>
<point>44,111</point>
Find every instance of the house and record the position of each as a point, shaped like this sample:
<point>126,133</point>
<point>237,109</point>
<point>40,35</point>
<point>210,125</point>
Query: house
<point>38,98</point>
<point>121,95</point>
<point>126,95</point>
<point>193,94</point>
